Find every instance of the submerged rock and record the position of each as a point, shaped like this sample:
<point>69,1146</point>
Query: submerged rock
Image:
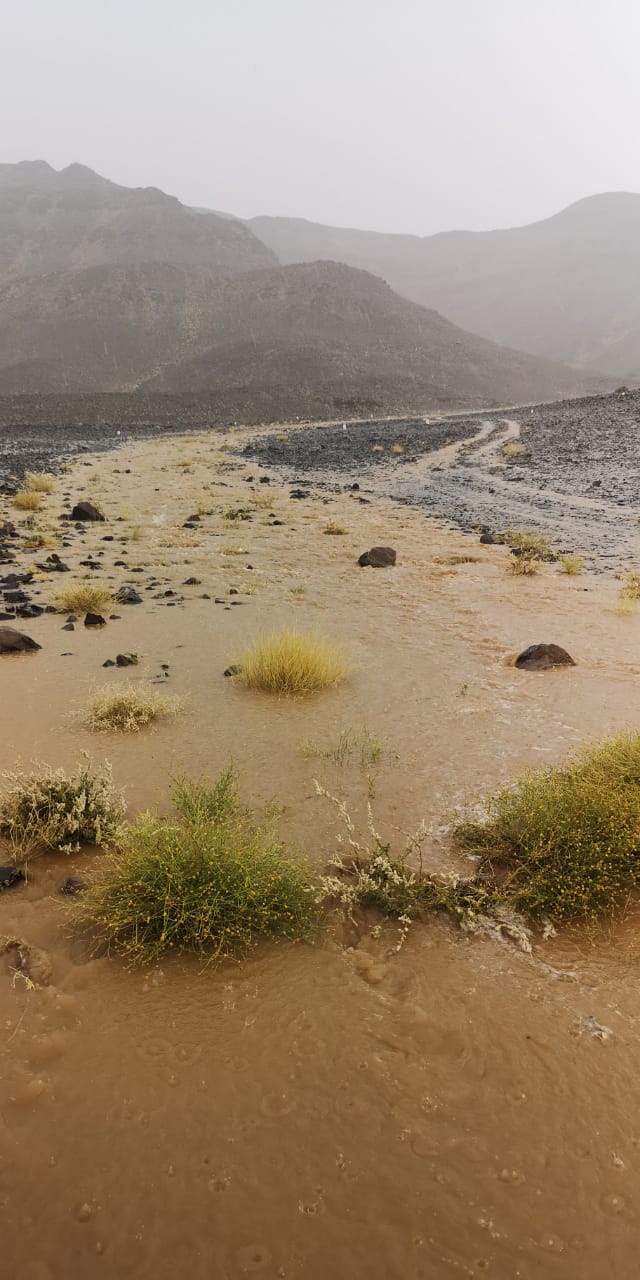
<point>86,511</point>
<point>378,558</point>
<point>540,657</point>
<point>12,641</point>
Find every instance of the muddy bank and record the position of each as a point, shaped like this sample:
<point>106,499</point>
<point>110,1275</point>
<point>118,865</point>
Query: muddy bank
<point>573,474</point>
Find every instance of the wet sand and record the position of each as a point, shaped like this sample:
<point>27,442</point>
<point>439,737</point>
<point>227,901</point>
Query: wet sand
<point>441,1111</point>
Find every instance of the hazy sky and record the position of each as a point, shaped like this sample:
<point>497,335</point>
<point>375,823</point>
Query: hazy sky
<point>399,115</point>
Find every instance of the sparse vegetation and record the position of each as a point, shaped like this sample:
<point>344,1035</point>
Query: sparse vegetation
<point>39,481</point>
<point>571,563</point>
<point>631,588</point>
<point>397,448</point>
<point>513,449</point>
<point>211,880</point>
<point>524,565</point>
<point>128,707</point>
<point>361,745</point>
<point>82,597</point>
<point>293,662</point>
<point>27,500</point>
<point>457,558</point>
<point>336,530</point>
<point>529,540</point>
<point>236,515</point>
<point>48,809</point>
<point>377,448</point>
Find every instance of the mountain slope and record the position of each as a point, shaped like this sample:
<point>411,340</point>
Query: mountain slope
<point>566,288</point>
<point>295,340</point>
<point>57,221</point>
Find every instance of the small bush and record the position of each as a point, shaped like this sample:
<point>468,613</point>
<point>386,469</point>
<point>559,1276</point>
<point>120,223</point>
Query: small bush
<point>27,500</point>
<point>82,597</point>
<point>377,448</point>
<point>524,565</point>
<point>571,564</point>
<point>128,707</point>
<point>529,540</point>
<point>293,662</point>
<point>566,839</point>
<point>513,450</point>
<point>457,558</point>
<point>631,588</point>
<point>334,529</point>
<point>51,810</point>
<point>210,880</point>
<point>397,448</point>
<point>39,481</point>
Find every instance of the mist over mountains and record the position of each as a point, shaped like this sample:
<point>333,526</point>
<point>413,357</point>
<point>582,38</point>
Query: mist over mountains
<point>113,289</point>
<point>567,288</point>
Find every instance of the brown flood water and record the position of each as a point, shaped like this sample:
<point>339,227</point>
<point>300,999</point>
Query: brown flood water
<point>441,1111</point>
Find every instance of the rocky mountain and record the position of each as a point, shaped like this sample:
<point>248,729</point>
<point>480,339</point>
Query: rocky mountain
<point>566,288</point>
<point>73,219</point>
<point>320,338</point>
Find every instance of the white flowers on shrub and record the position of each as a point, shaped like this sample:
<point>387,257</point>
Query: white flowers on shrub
<point>49,809</point>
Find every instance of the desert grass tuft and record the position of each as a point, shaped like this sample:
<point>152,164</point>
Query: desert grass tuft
<point>293,662</point>
<point>127,708</point>
<point>571,563</point>
<point>27,500</point>
<point>513,449</point>
<point>210,880</point>
<point>39,481</point>
<point>48,809</point>
<point>82,597</point>
<point>333,529</point>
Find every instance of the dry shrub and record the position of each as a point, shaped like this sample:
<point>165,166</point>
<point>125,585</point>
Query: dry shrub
<point>293,662</point>
<point>524,565</point>
<point>513,450</point>
<point>128,707</point>
<point>82,597</point>
<point>39,481</point>
<point>49,809</point>
<point>334,530</point>
<point>27,500</point>
<point>571,563</point>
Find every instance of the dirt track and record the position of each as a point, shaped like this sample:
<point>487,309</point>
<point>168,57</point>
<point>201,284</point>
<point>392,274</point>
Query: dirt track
<point>577,478</point>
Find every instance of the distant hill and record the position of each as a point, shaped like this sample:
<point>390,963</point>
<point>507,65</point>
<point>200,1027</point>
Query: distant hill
<point>314,339</point>
<point>74,219</point>
<point>567,288</point>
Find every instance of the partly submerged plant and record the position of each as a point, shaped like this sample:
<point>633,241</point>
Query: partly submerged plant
<point>210,879</point>
<point>129,707</point>
<point>49,809</point>
<point>293,662</point>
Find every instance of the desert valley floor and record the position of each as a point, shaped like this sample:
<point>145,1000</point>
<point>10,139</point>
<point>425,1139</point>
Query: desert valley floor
<point>455,1107</point>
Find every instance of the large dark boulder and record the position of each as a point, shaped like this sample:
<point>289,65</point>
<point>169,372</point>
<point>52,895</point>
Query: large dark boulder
<point>86,511</point>
<point>540,657</point>
<point>378,557</point>
<point>12,641</point>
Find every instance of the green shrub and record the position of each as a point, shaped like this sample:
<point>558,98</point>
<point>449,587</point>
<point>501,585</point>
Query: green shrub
<point>50,810</point>
<point>566,840</point>
<point>210,880</point>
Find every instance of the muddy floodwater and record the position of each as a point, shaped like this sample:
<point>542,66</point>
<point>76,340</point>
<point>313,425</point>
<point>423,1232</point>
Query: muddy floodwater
<point>453,1108</point>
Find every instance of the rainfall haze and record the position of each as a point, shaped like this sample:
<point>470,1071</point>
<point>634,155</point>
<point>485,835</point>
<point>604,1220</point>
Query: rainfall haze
<point>416,115</point>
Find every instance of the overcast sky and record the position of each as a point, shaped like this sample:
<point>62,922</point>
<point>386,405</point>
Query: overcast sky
<point>398,115</point>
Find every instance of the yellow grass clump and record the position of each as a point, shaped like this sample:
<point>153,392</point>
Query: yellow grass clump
<point>293,662</point>
<point>27,500</point>
<point>82,597</point>
<point>571,563</point>
<point>39,481</point>
<point>128,707</point>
